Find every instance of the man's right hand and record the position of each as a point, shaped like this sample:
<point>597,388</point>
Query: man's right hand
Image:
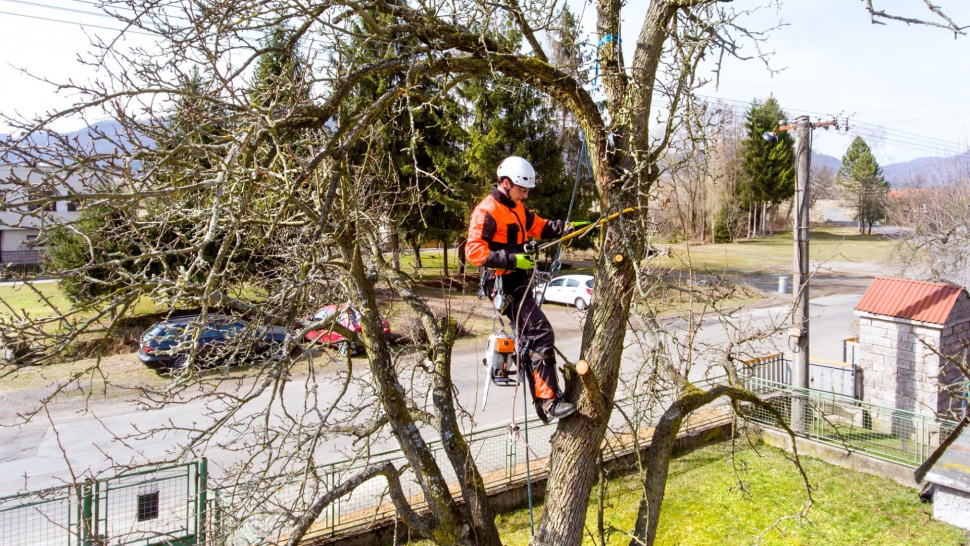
<point>524,261</point>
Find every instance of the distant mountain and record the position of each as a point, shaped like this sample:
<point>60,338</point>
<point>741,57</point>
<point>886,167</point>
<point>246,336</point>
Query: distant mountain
<point>928,171</point>
<point>822,160</point>
<point>103,138</point>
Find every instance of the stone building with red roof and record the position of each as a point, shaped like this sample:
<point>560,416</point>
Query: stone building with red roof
<point>909,331</point>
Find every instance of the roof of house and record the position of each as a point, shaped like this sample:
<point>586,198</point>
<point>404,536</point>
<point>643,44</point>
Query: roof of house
<point>949,464</point>
<point>913,300</point>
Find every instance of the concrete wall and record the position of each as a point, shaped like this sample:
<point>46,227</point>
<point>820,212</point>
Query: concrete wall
<point>952,506</point>
<point>899,369</point>
<point>954,341</point>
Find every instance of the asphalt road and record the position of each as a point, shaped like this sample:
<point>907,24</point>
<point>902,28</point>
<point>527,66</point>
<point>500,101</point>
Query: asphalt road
<point>75,439</point>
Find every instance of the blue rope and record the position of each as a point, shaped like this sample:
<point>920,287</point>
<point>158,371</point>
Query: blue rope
<point>606,39</point>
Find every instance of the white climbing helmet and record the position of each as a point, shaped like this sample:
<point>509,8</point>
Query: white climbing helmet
<point>518,170</point>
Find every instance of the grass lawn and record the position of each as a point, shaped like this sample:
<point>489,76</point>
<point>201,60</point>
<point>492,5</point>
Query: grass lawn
<point>25,299</point>
<point>704,505</point>
<point>840,244</point>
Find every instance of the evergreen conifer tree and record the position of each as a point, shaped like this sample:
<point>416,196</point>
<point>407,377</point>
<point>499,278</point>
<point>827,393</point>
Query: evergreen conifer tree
<point>768,168</point>
<point>862,184</point>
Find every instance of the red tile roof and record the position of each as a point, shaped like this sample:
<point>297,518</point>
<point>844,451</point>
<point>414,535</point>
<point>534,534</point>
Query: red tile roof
<point>914,300</point>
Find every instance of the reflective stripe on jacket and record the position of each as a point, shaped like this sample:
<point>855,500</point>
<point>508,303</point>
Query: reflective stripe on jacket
<point>499,228</point>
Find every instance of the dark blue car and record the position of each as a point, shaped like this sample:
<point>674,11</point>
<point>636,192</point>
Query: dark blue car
<point>221,339</point>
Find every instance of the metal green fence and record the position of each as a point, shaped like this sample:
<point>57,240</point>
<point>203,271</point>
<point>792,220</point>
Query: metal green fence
<point>172,505</point>
<point>886,433</point>
<point>262,512</point>
<point>163,505</point>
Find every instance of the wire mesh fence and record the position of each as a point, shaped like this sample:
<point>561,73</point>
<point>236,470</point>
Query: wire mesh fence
<point>159,505</point>
<point>891,434</point>
<point>44,518</point>
<point>173,505</point>
<point>248,516</point>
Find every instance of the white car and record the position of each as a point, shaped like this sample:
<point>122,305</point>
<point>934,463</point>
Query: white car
<point>569,289</point>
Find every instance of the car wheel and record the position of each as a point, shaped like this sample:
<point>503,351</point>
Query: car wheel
<point>580,304</point>
<point>179,362</point>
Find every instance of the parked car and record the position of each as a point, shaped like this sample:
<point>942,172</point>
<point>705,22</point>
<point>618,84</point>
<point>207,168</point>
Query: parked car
<point>348,318</point>
<point>569,289</point>
<point>168,343</point>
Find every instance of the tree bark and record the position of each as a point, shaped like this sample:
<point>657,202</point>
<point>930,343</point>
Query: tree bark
<point>395,248</point>
<point>416,249</point>
<point>462,260</point>
<point>444,258</point>
<point>578,439</point>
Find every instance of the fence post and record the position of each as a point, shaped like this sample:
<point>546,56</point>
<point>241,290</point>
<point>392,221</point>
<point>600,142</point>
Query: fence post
<point>509,458</point>
<point>85,520</point>
<point>202,499</point>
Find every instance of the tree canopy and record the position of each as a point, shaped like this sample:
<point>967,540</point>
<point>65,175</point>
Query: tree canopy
<point>290,210</point>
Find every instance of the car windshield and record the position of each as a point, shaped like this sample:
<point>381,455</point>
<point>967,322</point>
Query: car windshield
<point>589,283</point>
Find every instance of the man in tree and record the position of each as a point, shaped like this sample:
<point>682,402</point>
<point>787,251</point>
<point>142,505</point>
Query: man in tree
<point>500,226</point>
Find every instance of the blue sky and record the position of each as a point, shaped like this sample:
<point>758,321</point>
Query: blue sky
<point>905,88</point>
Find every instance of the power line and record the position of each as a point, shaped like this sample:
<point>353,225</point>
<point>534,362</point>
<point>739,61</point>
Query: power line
<point>82,25</point>
<point>896,137</point>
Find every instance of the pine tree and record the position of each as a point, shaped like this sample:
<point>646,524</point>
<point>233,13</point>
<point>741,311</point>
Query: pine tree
<point>768,168</point>
<point>280,77</point>
<point>862,184</point>
<point>511,118</point>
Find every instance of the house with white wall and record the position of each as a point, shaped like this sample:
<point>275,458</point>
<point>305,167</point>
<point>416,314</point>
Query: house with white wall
<point>21,227</point>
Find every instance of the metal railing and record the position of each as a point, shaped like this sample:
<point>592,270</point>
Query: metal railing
<point>163,504</point>
<point>890,434</point>
<point>823,375</point>
<point>500,459</point>
<point>172,505</point>
<point>851,350</point>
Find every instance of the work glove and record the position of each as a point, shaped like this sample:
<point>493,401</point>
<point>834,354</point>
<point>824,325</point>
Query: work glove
<point>524,261</point>
<point>573,226</point>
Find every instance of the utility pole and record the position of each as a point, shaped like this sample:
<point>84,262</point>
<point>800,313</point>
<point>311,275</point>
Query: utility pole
<point>800,417</point>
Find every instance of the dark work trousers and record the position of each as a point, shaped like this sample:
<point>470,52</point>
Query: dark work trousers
<point>532,328</point>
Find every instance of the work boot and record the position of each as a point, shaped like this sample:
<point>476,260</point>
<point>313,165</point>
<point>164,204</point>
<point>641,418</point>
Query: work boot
<point>558,408</point>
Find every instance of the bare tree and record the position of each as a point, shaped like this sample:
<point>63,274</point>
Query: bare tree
<point>274,208</point>
<point>935,244</point>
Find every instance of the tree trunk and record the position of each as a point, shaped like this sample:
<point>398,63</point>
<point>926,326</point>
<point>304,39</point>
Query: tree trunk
<point>416,248</point>
<point>462,260</point>
<point>764,219</point>
<point>444,258</point>
<point>578,439</point>
<point>774,212</point>
<point>395,249</point>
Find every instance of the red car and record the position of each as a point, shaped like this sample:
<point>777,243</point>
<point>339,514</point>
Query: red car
<point>347,319</point>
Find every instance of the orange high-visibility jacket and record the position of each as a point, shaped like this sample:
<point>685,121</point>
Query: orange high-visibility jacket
<point>499,228</point>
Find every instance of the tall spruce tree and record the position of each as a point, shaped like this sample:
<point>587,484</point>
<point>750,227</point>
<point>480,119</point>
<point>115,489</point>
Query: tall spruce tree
<point>862,184</point>
<point>415,146</point>
<point>511,118</point>
<point>768,168</point>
